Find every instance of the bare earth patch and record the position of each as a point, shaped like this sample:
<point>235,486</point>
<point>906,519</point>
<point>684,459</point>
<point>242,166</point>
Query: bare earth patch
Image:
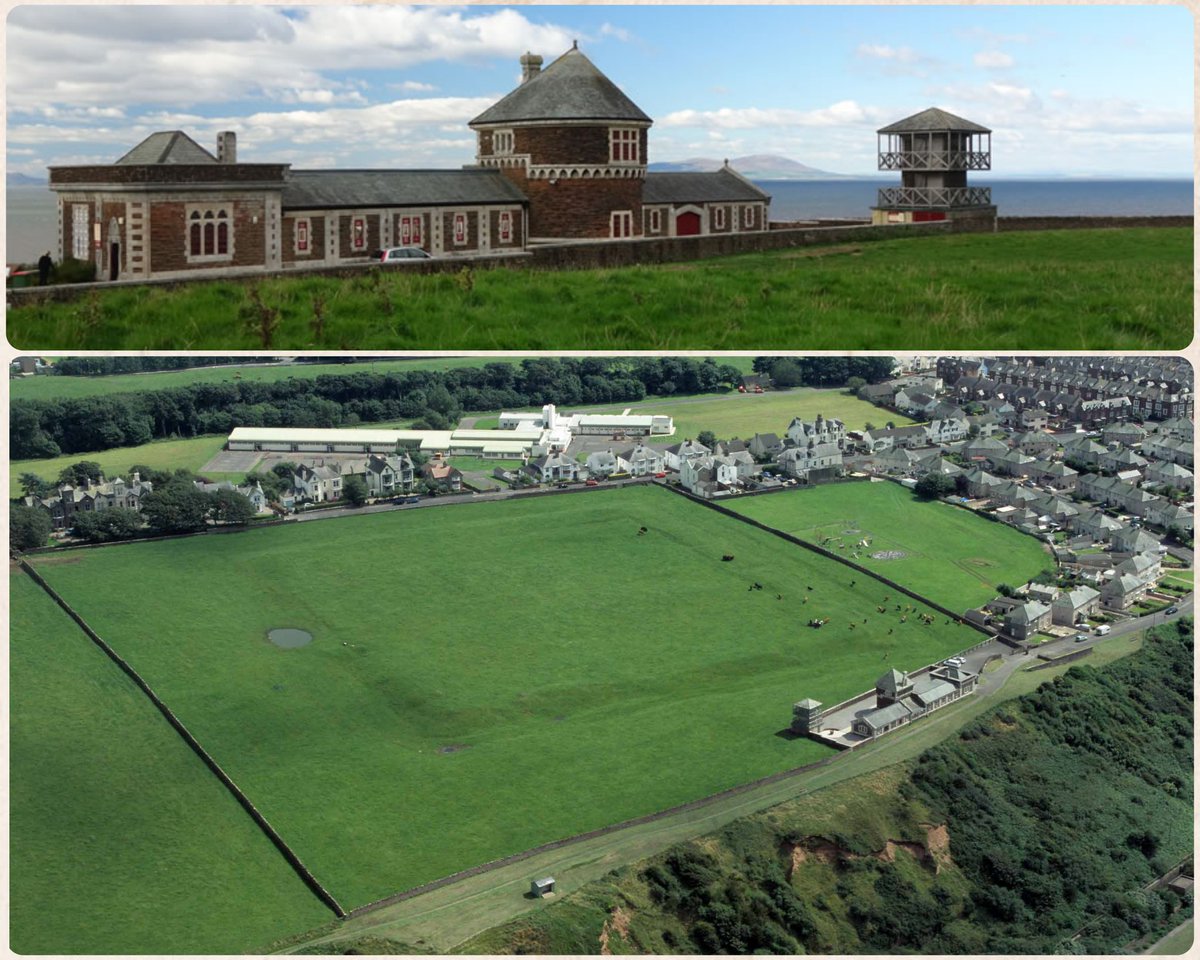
<point>888,555</point>
<point>454,747</point>
<point>618,923</point>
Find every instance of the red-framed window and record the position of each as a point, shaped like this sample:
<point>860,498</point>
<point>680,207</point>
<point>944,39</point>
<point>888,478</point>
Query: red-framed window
<point>460,229</point>
<point>505,226</point>
<point>623,145</point>
<point>621,224</point>
<point>358,233</point>
<point>303,228</point>
<point>410,231</point>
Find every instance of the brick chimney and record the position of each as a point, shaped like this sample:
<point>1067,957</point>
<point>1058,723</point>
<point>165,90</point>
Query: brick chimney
<point>227,147</point>
<point>531,66</point>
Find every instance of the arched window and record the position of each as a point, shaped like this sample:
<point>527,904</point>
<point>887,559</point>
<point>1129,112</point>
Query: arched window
<point>210,234</point>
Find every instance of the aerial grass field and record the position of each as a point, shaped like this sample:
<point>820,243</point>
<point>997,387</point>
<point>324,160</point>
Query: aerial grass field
<point>57,387</point>
<point>121,840</point>
<point>487,677</point>
<point>745,414</point>
<point>949,555</point>
<point>1066,289</point>
<point>191,454</point>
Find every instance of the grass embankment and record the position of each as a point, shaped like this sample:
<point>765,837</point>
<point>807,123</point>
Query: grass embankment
<point>449,684</point>
<point>121,840</point>
<point>1033,830</point>
<point>949,554</point>
<point>1078,289</point>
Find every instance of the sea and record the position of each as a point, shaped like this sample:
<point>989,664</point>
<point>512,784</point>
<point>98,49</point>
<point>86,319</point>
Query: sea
<point>31,229</point>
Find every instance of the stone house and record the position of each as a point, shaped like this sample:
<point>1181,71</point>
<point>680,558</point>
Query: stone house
<point>552,468</point>
<point>802,432</point>
<point>67,500</point>
<point>1170,475</point>
<point>318,484</point>
<point>811,458</point>
<point>448,479</point>
<point>900,699</point>
<point>389,475</point>
<point>601,463</point>
<point>674,456</point>
<point>561,157</point>
<point>641,460</point>
<point>1026,620</point>
<point>765,446</point>
<point>1075,606</point>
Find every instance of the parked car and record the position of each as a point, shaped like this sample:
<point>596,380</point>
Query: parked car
<point>1171,610</point>
<point>412,500</point>
<point>1102,629</point>
<point>660,475</point>
<point>1080,637</point>
<point>591,483</point>
<point>403,255</point>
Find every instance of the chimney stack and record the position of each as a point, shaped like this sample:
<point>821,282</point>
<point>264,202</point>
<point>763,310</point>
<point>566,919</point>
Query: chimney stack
<point>226,147</point>
<point>531,66</point>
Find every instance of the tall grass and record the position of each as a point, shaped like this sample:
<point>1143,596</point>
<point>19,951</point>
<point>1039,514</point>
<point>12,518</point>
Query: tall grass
<point>1082,289</point>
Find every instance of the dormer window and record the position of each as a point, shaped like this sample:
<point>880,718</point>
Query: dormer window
<point>623,145</point>
<point>502,143</point>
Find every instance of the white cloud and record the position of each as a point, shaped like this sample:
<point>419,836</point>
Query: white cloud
<point>193,55</point>
<point>993,59</point>
<point>413,86</point>
<point>745,118</point>
<point>617,33</point>
<point>883,51</point>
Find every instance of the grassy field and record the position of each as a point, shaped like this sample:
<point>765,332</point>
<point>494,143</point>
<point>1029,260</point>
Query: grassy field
<point>950,555</point>
<point>121,840</point>
<point>454,706</point>
<point>745,414</point>
<point>1078,289</point>
<point>191,454</point>
<point>443,919</point>
<point>65,388</point>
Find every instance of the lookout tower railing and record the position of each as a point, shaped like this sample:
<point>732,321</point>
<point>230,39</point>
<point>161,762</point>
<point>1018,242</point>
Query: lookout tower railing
<point>935,160</point>
<point>924,197</point>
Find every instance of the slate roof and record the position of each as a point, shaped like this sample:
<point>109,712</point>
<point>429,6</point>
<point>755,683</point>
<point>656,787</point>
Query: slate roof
<point>571,88</point>
<point>331,189</point>
<point>876,719</point>
<point>167,146</point>
<point>892,682</point>
<point>723,185</point>
<point>931,120</point>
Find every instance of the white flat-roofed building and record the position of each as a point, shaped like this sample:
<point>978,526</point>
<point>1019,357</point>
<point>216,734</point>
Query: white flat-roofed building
<point>495,444</point>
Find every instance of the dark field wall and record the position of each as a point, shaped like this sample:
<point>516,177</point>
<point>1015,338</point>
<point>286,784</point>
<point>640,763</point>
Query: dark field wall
<point>1089,223</point>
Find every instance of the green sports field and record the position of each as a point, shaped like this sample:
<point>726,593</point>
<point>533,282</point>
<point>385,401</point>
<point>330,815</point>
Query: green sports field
<point>950,555</point>
<point>491,676</point>
<point>121,840</point>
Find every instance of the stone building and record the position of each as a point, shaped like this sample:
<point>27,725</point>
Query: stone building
<point>563,157</point>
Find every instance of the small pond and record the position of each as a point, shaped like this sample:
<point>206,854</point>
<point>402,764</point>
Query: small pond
<point>289,637</point>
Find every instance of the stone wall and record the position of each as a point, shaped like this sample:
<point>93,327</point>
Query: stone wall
<point>581,208</point>
<point>1089,223</point>
<point>170,173</point>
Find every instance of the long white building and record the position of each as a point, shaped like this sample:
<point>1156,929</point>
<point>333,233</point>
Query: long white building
<point>521,435</point>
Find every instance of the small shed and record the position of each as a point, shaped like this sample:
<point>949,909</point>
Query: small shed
<point>542,887</point>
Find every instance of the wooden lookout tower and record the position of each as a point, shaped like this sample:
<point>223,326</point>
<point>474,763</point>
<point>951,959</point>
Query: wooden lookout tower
<point>934,150</point>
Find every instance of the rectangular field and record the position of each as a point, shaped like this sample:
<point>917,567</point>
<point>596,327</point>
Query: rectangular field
<point>487,677</point>
<point>121,840</point>
<point>942,552</point>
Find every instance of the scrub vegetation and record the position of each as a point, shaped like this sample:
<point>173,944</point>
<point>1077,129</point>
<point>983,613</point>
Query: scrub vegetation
<point>1078,289</point>
<point>489,677</point>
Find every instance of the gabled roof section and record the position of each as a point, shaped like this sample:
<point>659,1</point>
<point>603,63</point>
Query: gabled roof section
<point>571,88</point>
<point>722,186</point>
<point>933,119</point>
<point>329,189</point>
<point>167,146</point>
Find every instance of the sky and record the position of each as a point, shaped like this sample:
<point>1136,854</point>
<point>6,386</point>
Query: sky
<point>1084,90</point>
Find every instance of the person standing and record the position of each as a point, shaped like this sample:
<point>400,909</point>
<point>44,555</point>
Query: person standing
<point>45,265</point>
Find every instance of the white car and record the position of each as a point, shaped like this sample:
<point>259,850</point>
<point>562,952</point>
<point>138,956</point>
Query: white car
<point>404,255</point>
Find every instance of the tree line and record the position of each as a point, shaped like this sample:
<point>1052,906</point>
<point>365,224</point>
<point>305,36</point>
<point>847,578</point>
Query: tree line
<point>434,399</point>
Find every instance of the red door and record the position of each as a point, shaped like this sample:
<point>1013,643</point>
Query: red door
<point>687,225</point>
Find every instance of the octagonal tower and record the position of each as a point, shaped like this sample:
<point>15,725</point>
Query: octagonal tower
<point>574,144</point>
<point>934,150</point>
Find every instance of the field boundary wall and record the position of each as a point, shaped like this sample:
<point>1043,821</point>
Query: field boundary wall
<point>827,554</point>
<point>280,844</point>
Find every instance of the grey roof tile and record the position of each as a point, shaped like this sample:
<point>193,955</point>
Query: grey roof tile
<point>571,88</point>
<point>396,188</point>
<point>167,146</point>
<point>723,185</point>
<point>933,119</point>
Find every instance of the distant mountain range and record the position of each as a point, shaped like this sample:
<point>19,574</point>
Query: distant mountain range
<point>759,166</point>
<point>23,180</point>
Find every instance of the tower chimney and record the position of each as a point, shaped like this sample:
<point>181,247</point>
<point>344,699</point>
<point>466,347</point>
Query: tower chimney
<point>227,147</point>
<point>531,66</point>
